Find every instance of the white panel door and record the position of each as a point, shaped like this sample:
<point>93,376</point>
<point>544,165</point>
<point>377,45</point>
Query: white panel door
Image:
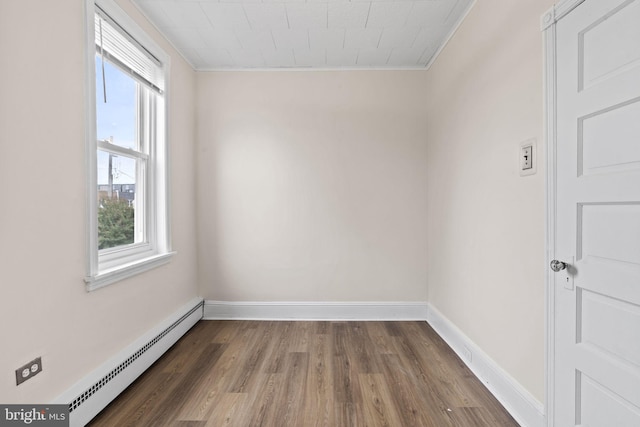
<point>597,297</point>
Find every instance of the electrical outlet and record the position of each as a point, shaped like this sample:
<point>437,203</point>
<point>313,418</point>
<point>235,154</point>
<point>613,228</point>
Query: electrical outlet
<point>28,370</point>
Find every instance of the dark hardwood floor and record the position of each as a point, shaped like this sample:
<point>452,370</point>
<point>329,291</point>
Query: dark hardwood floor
<point>299,374</point>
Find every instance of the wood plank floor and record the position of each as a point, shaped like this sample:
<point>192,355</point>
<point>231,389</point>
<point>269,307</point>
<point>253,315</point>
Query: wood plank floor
<point>299,374</point>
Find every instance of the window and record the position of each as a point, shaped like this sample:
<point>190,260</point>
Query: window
<point>126,148</point>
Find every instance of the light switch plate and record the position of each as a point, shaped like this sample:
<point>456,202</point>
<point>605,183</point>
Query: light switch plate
<point>528,157</point>
<point>526,161</point>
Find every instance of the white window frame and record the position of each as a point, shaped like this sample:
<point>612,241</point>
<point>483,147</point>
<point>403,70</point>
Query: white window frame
<point>114,264</point>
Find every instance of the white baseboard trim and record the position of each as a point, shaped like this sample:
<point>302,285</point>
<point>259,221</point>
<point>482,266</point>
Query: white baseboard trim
<point>522,406</point>
<point>95,391</point>
<point>224,310</point>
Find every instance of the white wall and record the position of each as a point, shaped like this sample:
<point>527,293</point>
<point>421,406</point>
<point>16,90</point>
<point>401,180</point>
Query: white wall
<point>486,223</point>
<point>312,186</point>
<point>44,308</point>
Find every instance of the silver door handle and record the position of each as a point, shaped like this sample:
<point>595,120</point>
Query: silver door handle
<point>558,265</point>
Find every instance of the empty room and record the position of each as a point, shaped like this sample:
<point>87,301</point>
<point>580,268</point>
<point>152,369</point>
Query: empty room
<point>320,213</point>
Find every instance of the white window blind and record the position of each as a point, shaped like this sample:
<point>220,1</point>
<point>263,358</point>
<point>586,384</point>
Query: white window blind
<point>121,49</point>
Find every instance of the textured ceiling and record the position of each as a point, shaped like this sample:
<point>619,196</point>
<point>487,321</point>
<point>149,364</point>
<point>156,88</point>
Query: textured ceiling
<point>239,34</point>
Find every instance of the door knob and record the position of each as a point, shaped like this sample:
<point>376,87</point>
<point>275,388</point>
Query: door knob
<point>558,265</point>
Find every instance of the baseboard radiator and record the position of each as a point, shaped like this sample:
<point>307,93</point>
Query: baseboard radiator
<point>93,393</point>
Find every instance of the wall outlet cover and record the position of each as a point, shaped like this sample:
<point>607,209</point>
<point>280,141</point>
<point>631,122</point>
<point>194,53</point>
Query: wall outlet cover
<point>28,370</point>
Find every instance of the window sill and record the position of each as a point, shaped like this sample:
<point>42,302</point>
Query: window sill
<point>125,271</point>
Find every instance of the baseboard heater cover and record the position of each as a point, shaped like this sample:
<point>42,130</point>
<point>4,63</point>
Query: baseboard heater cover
<point>100,388</point>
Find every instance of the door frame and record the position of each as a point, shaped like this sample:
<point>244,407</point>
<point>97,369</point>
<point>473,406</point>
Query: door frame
<point>548,27</point>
